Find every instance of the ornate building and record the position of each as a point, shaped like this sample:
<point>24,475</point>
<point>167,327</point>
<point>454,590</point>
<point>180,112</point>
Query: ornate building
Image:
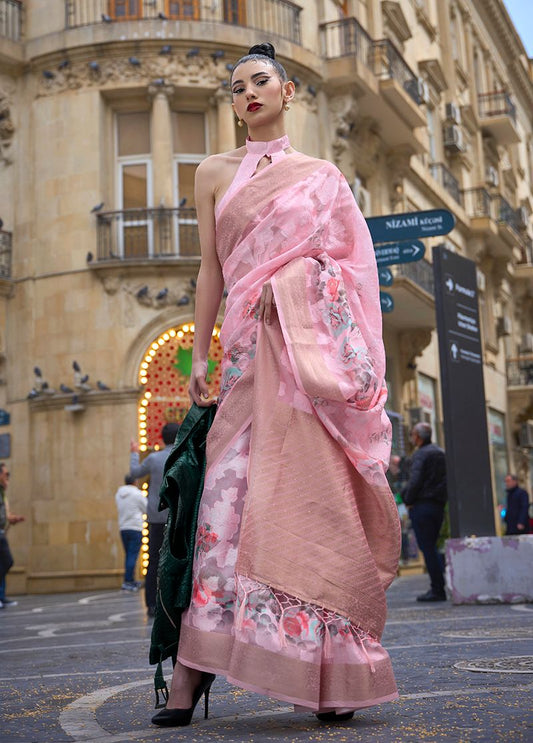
<point>107,107</point>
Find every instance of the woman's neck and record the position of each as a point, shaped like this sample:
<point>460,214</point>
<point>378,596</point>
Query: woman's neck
<point>266,133</point>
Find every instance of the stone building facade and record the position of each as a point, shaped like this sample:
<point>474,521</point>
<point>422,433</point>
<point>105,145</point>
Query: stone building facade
<point>106,108</point>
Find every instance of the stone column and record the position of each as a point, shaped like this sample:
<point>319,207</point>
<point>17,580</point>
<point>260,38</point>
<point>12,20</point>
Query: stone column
<point>162,151</point>
<point>226,139</point>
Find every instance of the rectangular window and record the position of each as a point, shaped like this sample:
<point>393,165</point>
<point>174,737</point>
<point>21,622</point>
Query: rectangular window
<point>125,10</point>
<point>183,10</point>
<point>498,452</point>
<point>133,133</point>
<point>188,133</point>
<point>427,398</point>
<point>235,12</point>
<point>190,147</point>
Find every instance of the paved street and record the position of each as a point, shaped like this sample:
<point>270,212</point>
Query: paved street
<point>74,667</point>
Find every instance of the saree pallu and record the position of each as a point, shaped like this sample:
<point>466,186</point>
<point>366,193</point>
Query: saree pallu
<point>298,533</point>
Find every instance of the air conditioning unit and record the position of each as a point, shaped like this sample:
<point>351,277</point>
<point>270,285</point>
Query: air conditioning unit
<point>453,113</point>
<point>522,217</point>
<point>504,326</point>
<point>526,435</point>
<point>453,139</point>
<point>481,280</point>
<point>527,343</point>
<point>491,176</point>
<point>423,91</point>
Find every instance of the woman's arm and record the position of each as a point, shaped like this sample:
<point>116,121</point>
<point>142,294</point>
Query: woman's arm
<point>210,283</point>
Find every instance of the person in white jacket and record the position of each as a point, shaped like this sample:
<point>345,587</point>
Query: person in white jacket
<point>131,506</point>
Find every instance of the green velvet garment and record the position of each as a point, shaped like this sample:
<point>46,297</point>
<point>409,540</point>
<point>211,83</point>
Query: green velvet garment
<point>181,491</point>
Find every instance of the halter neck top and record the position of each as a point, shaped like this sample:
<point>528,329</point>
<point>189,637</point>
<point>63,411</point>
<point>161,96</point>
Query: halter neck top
<point>255,152</point>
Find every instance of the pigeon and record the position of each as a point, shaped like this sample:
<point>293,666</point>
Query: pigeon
<point>162,17</point>
<point>76,366</point>
<point>194,52</point>
<point>101,385</point>
<point>135,61</point>
<point>296,80</point>
<point>106,18</point>
<point>218,55</point>
<point>62,65</point>
<point>166,49</point>
<point>47,389</point>
<point>193,283</point>
<point>98,207</point>
<point>37,371</point>
<point>230,67</point>
<point>32,394</point>
<point>94,66</point>
<point>159,81</point>
<point>162,294</point>
<point>65,390</point>
<point>84,379</point>
<point>311,90</point>
<point>142,292</point>
<point>48,74</point>
<point>89,257</point>
<point>183,201</point>
<point>182,301</point>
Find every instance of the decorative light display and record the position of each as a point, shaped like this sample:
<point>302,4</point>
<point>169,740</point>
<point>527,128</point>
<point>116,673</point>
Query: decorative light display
<point>164,374</point>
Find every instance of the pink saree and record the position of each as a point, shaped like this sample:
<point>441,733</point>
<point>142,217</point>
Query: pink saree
<point>298,534</point>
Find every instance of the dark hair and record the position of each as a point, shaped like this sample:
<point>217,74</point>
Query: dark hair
<point>169,432</point>
<point>129,480</point>
<point>263,52</point>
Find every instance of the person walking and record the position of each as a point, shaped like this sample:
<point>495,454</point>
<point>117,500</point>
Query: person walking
<point>7,519</point>
<point>152,466</point>
<point>517,510</point>
<point>425,495</point>
<point>131,507</point>
<point>298,534</point>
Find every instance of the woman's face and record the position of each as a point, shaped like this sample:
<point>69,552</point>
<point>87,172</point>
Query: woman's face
<point>257,93</point>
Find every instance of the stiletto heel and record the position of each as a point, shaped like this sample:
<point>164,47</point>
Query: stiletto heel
<point>181,717</point>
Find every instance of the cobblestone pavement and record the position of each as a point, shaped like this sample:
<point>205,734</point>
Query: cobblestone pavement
<point>74,667</point>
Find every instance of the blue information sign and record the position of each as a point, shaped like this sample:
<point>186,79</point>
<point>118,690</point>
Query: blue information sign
<point>5,417</point>
<point>411,225</point>
<point>385,277</point>
<point>404,252</point>
<point>386,301</point>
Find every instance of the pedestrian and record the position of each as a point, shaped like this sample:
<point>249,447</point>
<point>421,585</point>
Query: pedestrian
<point>7,519</point>
<point>298,534</point>
<point>517,510</point>
<point>394,477</point>
<point>131,507</point>
<point>152,466</point>
<point>425,495</point>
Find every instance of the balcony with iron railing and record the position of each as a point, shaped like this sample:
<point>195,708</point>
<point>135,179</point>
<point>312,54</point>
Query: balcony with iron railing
<point>497,114</point>
<point>419,272</point>
<point>447,180</point>
<point>347,38</point>
<point>492,215</point>
<point>520,371</point>
<point>273,17</point>
<point>147,234</point>
<point>11,20</point>
<point>5,254</point>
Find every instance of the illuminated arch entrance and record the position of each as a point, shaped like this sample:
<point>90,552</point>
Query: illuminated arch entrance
<point>164,374</point>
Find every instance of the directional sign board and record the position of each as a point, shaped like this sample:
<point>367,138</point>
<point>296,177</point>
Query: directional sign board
<point>411,225</point>
<point>385,277</point>
<point>404,252</point>
<point>463,396</point>
<point>386,301</point>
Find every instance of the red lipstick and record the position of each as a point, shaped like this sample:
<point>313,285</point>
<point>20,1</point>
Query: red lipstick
<point>254,106</point>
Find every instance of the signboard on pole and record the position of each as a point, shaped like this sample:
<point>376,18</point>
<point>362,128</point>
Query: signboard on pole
<point>404,252</point>
<point>463,396</point>
<point>409,225</point>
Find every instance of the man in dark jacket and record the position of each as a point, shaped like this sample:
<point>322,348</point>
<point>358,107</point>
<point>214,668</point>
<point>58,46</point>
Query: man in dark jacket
<point>425,495</point>
<point>516,513</point>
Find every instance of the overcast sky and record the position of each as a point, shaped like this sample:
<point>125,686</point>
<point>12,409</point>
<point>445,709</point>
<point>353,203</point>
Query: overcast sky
<point>521,12</point>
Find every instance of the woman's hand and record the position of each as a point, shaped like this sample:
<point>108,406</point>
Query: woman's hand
<point>198,389</point>
<point>266,303</point>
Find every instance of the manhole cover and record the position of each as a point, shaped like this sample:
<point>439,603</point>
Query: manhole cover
<point>513,664</point>
<point>491,632</point>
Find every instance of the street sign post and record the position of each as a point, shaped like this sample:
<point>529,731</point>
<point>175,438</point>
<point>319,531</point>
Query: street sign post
<point>386,301</point>
<point>463,395</point>
<point>410,225</point>
<point>385,277</point>
<point>403,252</point>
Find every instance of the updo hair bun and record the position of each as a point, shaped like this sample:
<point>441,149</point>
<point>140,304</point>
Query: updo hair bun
<point>266,50</point>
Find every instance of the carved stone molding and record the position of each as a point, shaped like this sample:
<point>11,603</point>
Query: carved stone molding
<point>356,144</point>
<point>412,344</point>
<point>398,164</point>
<point>161,88</point>
<point>7,128</point>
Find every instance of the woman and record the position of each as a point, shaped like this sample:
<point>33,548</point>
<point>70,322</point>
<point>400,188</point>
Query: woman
<point>298,533</point>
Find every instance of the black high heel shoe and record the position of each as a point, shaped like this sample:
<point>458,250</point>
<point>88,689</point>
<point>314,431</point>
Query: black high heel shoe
<point>181,717</point>
<point>334,717</point>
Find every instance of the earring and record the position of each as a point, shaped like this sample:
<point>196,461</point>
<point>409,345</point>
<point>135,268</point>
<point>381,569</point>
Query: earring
<point>239,122</point>
<point>286,106</point>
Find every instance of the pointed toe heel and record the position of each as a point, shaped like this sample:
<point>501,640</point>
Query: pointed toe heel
<point>173,718</point>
